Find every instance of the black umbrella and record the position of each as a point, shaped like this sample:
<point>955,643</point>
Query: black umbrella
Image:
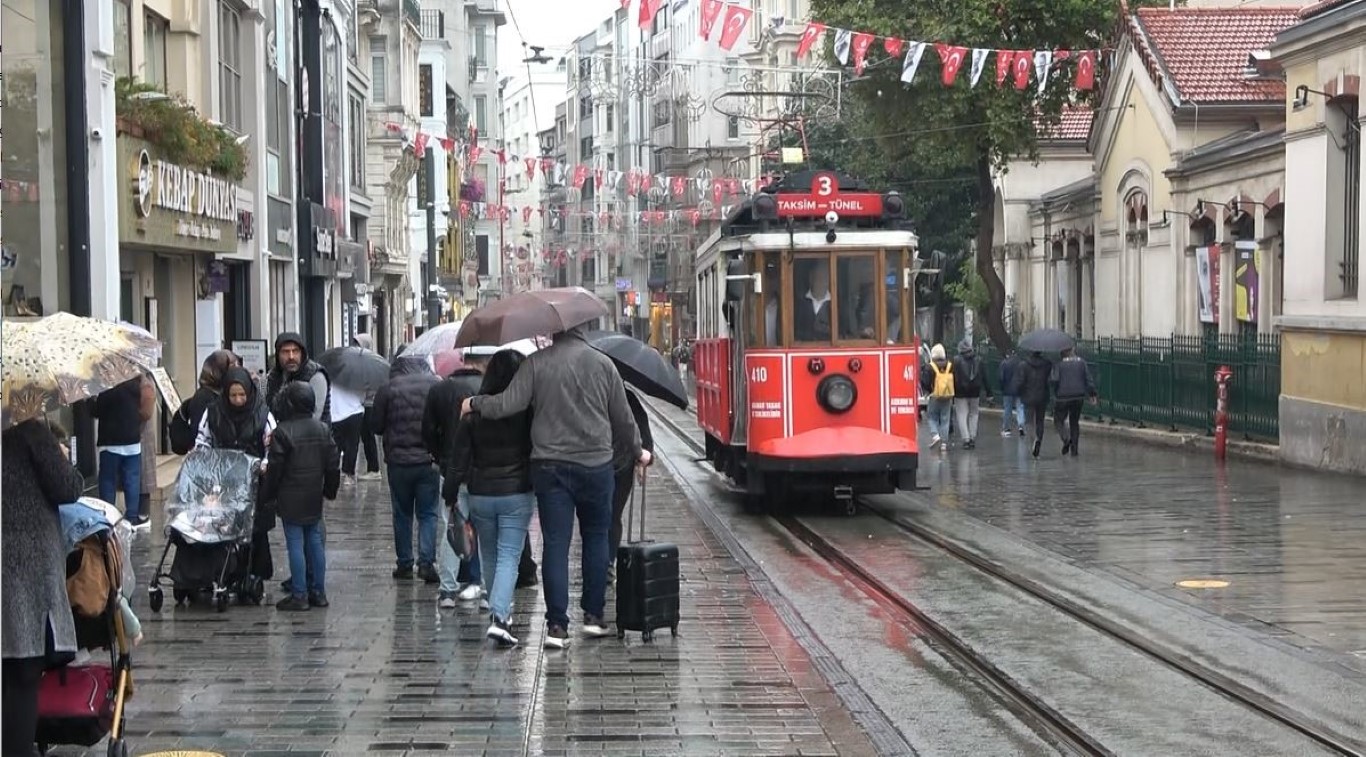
<point>1046,340</point>
<point>355,368</point>
<point>641,366</point>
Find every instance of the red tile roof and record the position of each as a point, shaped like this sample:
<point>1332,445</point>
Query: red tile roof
<point>1074,125</point>
<point>1203,51</point>
<point>1323,6</point>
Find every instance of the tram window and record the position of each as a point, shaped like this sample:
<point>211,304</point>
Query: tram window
<point>858,293</point>
<point>770,304</point>
<point>897,296</point>
<point>811,293</point>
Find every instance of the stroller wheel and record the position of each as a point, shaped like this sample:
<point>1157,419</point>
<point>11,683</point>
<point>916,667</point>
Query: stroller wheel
<point>258,590</point>
<point>118,748</point>
<point>181,596</point>
<point>221,599</point>
<point>155,598</point>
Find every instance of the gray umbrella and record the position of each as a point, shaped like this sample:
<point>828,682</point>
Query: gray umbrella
<point>1046,340</point>
<point>355,368</point>
<point>530,314</point>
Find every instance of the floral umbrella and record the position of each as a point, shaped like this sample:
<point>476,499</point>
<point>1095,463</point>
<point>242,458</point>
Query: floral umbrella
<point>64,358</point>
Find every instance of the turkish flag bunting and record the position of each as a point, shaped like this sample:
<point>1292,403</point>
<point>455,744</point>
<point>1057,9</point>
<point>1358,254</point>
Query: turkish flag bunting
<point>1005,62</point>
<point>447,144</point>
<point>694,215</point>
<point>1024,63</point>
<point>1086,70</point>
<point>464,208</point>
<point>716,189</point>
<point>630,183</point>
<point>951,59</point>
<point>420,144</point>
<point>624,4</point>
<point>546,165</point>
<point>711,10</point>
<point>597,178</point>
<point>526,213</point>
<point>647,182</point>
<point>648,9</point>
<point>530,168</point>
<point>475,151</point>
<point>810,34</point>
<point>862,41</point>
<point>502,157</point>
<point>580,174</point>
<point>679,185</point>
<point>737,17</point>
<point>894,46</point>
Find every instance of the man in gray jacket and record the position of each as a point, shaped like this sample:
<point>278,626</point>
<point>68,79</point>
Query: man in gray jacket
<point>1072,385</point>
<point>579,409</point>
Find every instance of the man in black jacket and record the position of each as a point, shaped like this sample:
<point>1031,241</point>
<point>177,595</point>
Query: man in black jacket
<point>625,464</point>
<point>1072,386</point>
<point>1031,386</point>
<point>121,411</point>
<point>969,384</point>
<point>414,484</point>
<point>293,364</point>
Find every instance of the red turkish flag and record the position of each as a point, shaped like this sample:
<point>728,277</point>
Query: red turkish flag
<point>420,144</point>
<point>631,186</point>
<point>1005,62</point>
<point>597,178</point>
<point>894,46</point>
<point>580,175</point>
<point>546,165</point>
<point>711,10</point>
<point>648,9</point>
<point>526,213</point>
<point>624,5</point>
<point>679,185</point>
<point>951,59</point>
<point>1024,65</point>
<point>810,34</point>
<point>1086,69</point>
<point>737,17</point>
<point>502,157</point>
<point>447,144</point>
<point>530,168</point>
<point>862,41</point>
<point>475,150</point>
<point>647,181</point>
<point>716,189</point>
<point>464,208</point>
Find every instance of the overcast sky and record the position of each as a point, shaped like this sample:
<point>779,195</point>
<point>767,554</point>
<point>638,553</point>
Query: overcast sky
<point>552,24</point>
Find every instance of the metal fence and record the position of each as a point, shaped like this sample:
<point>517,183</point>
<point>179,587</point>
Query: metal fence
<point>1169,382</point>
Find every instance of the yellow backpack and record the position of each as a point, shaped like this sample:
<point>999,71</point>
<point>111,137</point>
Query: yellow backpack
<point>943,381</point>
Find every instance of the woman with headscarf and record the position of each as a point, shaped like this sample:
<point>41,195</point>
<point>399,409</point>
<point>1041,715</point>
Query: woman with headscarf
<point>38,628</point>
<point>239,420</point>
<point>185,422</point>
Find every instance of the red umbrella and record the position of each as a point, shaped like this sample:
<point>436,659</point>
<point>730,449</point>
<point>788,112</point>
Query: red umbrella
<point>527,315</point>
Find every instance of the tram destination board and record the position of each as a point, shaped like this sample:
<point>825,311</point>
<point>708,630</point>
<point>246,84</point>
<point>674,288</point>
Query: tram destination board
<point>825,196</point>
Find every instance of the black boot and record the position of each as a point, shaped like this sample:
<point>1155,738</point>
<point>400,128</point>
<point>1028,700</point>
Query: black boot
<point>1066,445</point>
<point>1074,448</point>
<point>1037,444</point>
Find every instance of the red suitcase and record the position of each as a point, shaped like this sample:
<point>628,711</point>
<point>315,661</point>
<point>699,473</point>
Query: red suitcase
<point>75,705</point>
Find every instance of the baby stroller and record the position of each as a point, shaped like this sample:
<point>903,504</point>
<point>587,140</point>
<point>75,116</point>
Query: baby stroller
<point>209,522</point>
<point>81,703</point>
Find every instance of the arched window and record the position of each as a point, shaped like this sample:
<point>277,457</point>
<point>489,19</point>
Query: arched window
<point>1136,214</point>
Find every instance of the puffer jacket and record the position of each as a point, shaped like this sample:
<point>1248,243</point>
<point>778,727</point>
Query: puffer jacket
<point>399,408</point>
<point>1031,381</point>
<point>441,416</point>
<point>490,457</point>
<point>303,466</point>
<point>969,375</point>
<point>1072,380</point>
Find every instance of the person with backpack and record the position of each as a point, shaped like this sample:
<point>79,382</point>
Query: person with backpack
<point>969,384</point>
<point>936,379</point>
<point>185,422</point>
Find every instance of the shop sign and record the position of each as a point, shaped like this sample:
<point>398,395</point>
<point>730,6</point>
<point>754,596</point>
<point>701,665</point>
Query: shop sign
<point>174,207</point>
<point>246,225</point>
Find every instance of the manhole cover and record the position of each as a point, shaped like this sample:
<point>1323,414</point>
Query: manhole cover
<point>1202,583</point>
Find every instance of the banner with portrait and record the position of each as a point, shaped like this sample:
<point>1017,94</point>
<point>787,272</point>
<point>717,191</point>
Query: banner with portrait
<point>1246,281</point>
<point>1207,277</point>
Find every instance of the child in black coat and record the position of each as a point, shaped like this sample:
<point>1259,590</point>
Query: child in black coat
<point>303,467</point>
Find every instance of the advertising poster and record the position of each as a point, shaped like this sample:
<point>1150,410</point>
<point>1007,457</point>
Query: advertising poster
<point>1246,281</point>
<point>1207,293</point>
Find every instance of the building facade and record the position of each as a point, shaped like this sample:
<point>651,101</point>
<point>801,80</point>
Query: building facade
<point>529,101</point>
<point>1323,322</point>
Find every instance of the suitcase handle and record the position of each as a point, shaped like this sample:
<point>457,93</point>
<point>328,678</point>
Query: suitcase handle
<point>637,488</point>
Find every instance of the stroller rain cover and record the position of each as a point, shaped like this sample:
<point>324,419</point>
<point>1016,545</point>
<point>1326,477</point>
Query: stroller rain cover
<point>215,496</point>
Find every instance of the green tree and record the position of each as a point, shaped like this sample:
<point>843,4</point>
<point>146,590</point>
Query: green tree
<point>982,127</point>
<point>969,288</point>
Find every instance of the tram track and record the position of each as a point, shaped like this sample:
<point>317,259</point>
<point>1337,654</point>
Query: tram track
<point>1026,705</point>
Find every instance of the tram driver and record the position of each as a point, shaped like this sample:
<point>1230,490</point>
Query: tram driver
<point>811,316</point>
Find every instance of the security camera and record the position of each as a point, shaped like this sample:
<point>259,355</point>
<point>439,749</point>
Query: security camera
<point>831,218</point>
<point>97,133</point>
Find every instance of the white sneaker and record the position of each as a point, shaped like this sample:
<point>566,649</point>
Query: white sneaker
<point>501,633</point>
<point>934,442</point>
<point>594,627</point>
<point>369,476</point>
<point>447,601</point>
<point>471,592</point>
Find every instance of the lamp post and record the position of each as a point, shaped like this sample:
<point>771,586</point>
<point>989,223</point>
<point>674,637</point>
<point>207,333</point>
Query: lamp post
<point>433,290</point>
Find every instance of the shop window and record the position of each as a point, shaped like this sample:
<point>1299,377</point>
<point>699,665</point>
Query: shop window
<point>230,66</point>
<point>123,39</point>
<point>481,107</point>
<point>154,32</point>
<point>481,248</point>
<point>356,130</point>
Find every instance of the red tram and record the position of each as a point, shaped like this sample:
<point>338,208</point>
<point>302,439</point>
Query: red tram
<point>806,357</point>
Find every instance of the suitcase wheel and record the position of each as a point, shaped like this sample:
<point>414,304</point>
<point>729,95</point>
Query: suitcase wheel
<point>673,631</point>
<point>647,636</point>
<point>621,633</point>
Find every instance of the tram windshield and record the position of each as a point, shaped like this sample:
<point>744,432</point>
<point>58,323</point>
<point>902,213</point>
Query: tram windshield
<point>840,299</point>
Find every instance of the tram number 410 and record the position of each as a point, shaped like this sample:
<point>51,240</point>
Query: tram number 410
<point>758,374</point>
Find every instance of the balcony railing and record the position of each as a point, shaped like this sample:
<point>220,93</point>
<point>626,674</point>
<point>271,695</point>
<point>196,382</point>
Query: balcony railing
<point>412,12</point>
<point>433,25</point>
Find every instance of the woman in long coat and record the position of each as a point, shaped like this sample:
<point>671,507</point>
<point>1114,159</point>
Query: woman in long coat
<point>239,420</point>
<point>37,626</point>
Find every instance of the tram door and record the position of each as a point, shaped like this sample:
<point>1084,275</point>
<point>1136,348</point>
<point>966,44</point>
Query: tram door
<point>739,296</point>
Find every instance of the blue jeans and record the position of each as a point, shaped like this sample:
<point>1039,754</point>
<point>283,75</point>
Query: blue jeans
<point>939,411</point>
<point>564,490</point>
<point>121,472</point>
<point>415,491</point>
<point>449,567</point>
<point>306,558</point>
<point>502,524</point>
<point>1012,409</point>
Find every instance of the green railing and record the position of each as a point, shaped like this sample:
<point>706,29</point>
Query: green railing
<point>1169,382</point>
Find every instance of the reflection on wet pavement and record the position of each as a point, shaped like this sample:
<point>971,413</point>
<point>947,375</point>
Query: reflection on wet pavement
<point>1291,543</point>
<point>382,672</point>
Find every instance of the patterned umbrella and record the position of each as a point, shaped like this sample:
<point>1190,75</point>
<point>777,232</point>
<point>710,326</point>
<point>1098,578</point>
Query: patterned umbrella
<point>64,358</point>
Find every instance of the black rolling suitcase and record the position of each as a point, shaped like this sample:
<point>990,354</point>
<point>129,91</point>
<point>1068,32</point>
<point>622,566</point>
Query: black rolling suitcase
<point>647,581</point>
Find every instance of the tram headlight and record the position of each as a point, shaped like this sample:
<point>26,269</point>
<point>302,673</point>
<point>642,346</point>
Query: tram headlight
<point>836,393</point>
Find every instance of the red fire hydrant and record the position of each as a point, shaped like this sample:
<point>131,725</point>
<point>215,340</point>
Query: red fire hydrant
<point>1222,376</point>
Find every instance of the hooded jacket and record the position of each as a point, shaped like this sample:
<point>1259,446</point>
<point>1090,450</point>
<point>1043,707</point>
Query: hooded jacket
<point>441,415</point>
<point>1008,368</point>
<point>303,466</point>
<point>969,375</point>
<point>1031,380</point>
<point>309,372</point>
<point>1072,380</point>
<point>237,428</point>
<point>399,409</point>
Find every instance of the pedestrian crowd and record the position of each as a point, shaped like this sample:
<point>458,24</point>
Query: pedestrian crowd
<point>955,388</point>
